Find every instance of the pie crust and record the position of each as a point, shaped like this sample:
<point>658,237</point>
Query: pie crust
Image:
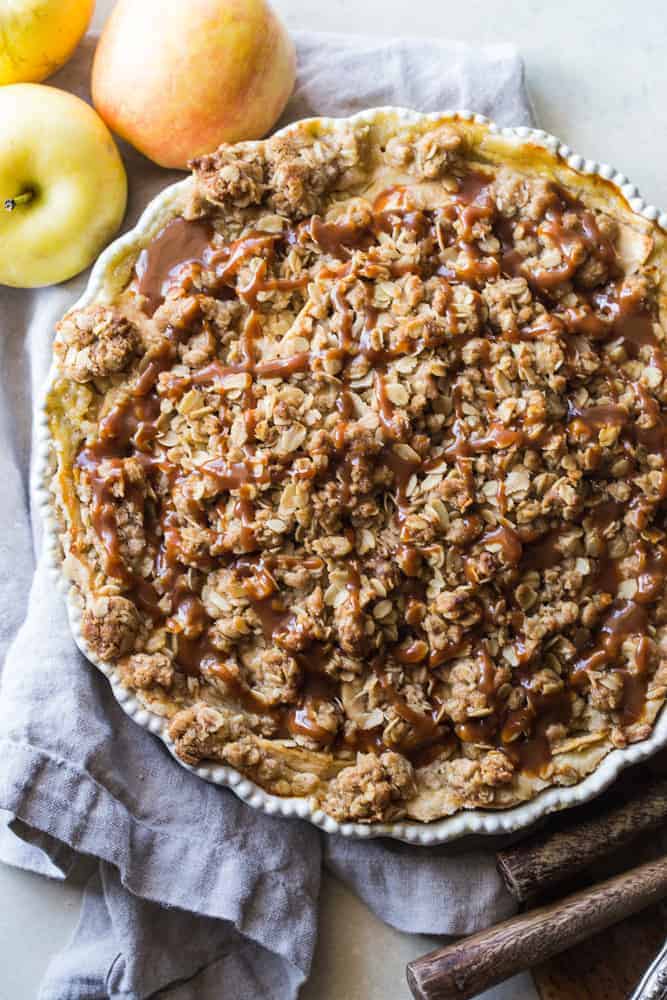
<point>361,467</point>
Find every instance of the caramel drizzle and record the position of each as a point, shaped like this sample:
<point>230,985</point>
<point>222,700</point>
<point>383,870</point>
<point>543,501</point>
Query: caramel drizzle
<point>625,620</point>
<point>131,427</point>
<point>521,733</point>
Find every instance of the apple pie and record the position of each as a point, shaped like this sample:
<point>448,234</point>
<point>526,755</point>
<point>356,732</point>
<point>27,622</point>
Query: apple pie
<point>361,470</point>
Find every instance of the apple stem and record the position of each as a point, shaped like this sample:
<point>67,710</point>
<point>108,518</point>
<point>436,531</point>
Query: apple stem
<point>20,199</point>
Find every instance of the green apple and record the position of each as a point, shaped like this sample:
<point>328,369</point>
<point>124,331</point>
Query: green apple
<point>63,188</point>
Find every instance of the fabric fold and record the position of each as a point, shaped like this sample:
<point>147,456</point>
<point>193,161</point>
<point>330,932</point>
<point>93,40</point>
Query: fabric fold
<point>125,946</point>
<point>442,890</point>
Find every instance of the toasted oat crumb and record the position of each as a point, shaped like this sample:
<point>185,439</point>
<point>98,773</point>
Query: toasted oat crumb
<point>375,788</point>
<point>94,342</point>
<point>110,626</point>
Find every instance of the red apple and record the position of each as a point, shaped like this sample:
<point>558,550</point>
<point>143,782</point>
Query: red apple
<point>177,79</point>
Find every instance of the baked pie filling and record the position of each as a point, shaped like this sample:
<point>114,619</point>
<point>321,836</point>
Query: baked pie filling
<point>361,469</point>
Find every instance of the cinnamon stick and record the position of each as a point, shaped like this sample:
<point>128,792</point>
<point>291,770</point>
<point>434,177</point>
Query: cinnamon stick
<point>533,866</point>
<point>472,965</point>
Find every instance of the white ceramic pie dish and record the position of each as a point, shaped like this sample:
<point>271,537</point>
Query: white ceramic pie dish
<point>438,832</point>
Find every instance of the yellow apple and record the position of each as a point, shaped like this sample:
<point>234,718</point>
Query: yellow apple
<point>63,187</point>
<point>177,79</point>
<point>37,37</point>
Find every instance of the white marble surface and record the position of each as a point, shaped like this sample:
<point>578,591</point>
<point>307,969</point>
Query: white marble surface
<point>597,72</point>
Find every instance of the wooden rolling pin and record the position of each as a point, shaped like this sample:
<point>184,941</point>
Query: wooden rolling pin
<point>536,865</point>
<point>475,963</point>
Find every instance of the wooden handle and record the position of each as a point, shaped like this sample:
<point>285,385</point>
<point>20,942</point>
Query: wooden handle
<point>474,964</point>
<point>533,866</point>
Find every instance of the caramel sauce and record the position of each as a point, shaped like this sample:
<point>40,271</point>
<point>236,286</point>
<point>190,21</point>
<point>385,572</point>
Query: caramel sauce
<point>634,698</point>
<point>260,283</point>
<point>471,204</point>
<point>158,361</point>
<point>544,553</point>
<point>626,317</point>
<point>194,655</point>
<point>471,186</point>
<point>245,511</point>
<point>103,517</point>
<point>231,476</point>
<point>130,429</point>
<point>402,470</point>
<point>509,542</point>
<point>281,367</point>
<point>345,406</point>
<point>626,619</point>
<point>607,578</point>
<point>533,752</point>
<point>569,243</point>
<point>511,261</point>
<point>573,240</point>
<point>449,652</point>
<point>228,259</point>
<point>261,591</point>
<point>180,242</point>
<point>483,729</point>
<point>347,318</point>
<point>605,513</point>
<point>129,423</point>
<point>475,271</point>
<point>353,587</point>
<point>418,223</point>
<point>398,193</point>
<point>386,407</point>
<point>425,731</point>
<point>521,733</point>
<point>317,689</point>
<point>273,615</point>
<point>215,373</point>
<point>301,722</point>
<point>651,576</point>
<point>415,652</point>
<point>497,438</point>
<point>188,615</point>
<point>597,417</point>
<point>410,560</point>
<point>653,432</point>
<point>197,657</point>
<point>340,239</point>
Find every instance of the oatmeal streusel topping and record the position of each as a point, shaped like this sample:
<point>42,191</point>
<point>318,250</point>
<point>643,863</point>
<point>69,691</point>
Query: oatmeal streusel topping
<point>369,469</point>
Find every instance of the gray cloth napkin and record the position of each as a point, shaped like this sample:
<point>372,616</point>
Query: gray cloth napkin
<point>193,892</point>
